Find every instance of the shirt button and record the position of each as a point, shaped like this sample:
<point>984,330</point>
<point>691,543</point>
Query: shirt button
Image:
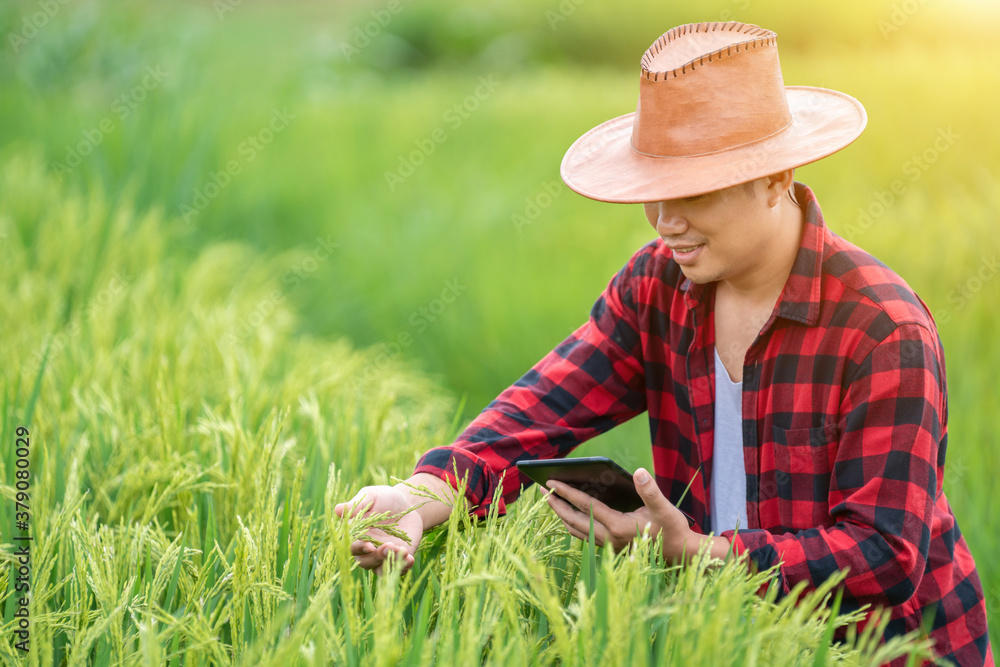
<point>704,422</point>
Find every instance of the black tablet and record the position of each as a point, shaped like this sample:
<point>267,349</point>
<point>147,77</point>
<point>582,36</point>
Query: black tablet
<point>597,476</point>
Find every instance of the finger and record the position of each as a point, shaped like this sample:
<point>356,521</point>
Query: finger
<point>376,559</point>
<point>650,493</point>
<point>570,495</point>
<point>402,559</point>
<point>370,561</point>
<point>361,548</point>
<point>392,550</point>
<point>584,536</point>
<point>586,503</point>
<point>367,554</point>
<point>563,509</point>
<point>566,513</point>
<point>356,506</point>
<point>577,520</point>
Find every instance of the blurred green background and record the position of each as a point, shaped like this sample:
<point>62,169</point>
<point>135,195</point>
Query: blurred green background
<point>418,145</point>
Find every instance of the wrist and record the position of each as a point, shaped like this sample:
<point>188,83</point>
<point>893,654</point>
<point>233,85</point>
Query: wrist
<point>431,512</point>
<point>720,548</point>
<point>692,543</point>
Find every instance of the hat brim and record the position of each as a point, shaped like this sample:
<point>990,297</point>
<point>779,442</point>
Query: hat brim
<point>602,165</point>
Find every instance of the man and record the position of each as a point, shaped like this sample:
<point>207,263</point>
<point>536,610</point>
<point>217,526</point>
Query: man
<point>796,379</point>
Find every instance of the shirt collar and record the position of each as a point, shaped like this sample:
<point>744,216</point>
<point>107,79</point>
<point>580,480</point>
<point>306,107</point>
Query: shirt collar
<point>800,297</point>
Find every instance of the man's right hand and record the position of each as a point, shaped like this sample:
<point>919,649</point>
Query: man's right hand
<point>377,500</point>
<point>396,500</point>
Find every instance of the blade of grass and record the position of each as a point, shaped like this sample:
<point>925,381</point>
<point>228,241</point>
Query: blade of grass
<point>831,625</point>
<point>29,411</point>
<point>172,588</point>
<point>590,556</point>
<point>419,632</point>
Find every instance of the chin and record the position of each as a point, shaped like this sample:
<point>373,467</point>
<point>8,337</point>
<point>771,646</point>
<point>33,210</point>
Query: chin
<point>698,277</point>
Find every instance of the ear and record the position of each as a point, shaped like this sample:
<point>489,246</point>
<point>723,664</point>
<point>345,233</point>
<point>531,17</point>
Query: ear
<point>776,186</point>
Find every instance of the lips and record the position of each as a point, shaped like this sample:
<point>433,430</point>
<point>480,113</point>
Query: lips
<point>686,254</point>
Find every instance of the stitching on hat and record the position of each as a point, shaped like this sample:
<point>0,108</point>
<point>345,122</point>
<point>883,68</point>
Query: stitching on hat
<point>762,38</point>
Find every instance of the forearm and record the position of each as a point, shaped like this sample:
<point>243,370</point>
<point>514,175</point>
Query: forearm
<point>431,512</point>
<point>718,548</point>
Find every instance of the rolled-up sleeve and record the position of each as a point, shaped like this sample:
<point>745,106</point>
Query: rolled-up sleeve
<point>590,383</point>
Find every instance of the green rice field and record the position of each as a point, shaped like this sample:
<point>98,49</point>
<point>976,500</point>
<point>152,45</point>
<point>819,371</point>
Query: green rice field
<point>259,255</point>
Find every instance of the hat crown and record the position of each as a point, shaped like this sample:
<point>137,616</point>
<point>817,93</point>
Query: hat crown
<point>680,49</point>
<point>707,88</point>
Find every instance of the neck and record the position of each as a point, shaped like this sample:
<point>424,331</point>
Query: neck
<point>762,285</point>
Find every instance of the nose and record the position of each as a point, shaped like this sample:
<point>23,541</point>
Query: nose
<point>665,219</point>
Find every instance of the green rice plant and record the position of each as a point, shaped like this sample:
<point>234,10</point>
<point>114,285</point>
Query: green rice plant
<point>163,467</point>
<point>198,428</point>
<point>183,487</point>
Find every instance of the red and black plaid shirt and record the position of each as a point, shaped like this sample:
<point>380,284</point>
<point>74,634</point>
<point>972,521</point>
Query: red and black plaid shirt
<point>844,426</point>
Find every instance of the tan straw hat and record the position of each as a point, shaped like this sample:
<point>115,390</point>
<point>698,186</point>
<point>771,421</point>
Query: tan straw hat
<point>713,112</point>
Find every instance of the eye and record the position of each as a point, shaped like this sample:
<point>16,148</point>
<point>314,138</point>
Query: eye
<point>694,198</point>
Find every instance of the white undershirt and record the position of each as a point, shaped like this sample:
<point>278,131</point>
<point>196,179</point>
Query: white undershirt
<point>729,479</point>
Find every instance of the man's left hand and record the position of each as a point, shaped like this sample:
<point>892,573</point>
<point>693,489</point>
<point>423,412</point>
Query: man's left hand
<point>619,529</point>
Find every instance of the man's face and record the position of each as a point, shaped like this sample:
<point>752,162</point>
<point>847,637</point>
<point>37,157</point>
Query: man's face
<point>722,235</point>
